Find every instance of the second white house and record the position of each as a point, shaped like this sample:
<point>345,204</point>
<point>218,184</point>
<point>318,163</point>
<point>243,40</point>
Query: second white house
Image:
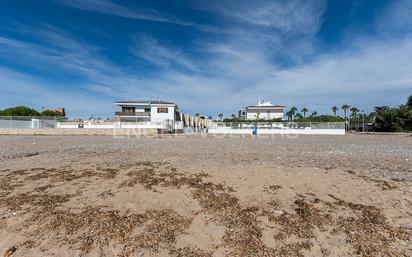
<point>263,110</point>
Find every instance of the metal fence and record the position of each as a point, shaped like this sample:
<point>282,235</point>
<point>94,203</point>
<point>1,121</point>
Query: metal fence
<point>20,122</point>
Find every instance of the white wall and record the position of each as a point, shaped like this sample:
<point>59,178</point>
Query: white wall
<point>160,117</point>
<point>285,131</point>
<point>114,125</point>
<point>264,115</point>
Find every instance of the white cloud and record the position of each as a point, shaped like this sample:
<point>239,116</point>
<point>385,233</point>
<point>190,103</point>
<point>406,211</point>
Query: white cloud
<point>151,50</point>
<point>302,17</point>
<point>112,8</point>
<point>397,18</point>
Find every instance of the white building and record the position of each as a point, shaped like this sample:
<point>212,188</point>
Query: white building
<point>152,111</point>
<point>263,110</point>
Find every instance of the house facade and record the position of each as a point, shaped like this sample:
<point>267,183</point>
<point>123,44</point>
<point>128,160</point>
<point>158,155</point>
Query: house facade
<point>147,110</point>
<point>263,110</point>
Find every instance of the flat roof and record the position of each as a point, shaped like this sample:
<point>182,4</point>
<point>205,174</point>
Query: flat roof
<point>143,102</point>
<point>266,106</point>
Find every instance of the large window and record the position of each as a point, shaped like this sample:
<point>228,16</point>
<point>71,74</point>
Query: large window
<point>162,110</point>
<point>128,109</point>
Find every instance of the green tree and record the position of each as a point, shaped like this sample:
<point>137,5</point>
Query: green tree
<point>314,114</point>
<point>381,108</point>
<point>289,114</point>
<point>334,109</point>
<point>293,111</point>
<point>197,114</point>
<point>304,110</point>
<point>387,119</point>
<point>354,111</point>
<point>49,113</point>
<point>20,111</point>
<point>220,116</point>
<point>298,116</point>
<point>345,107</point>
<point>409,102</point>
<point>210,118</point>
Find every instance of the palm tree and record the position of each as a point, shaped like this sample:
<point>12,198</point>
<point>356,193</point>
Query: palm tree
<point>197,114</point>
<point>293,111</point>
<point>354,111</point>
<point>210,118</point>
<point>289,115</point>
<point>334,109</point>
<point>221,116</point>
<point>345,107</point>
<point>314,114</point>
<point>298,116</point>
<point>233,116</point>
<point>304,110</point>
<point>381,108</point>
<point>409,103</point>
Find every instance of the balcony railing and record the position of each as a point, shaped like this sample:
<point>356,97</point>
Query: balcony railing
<point>134,114</point>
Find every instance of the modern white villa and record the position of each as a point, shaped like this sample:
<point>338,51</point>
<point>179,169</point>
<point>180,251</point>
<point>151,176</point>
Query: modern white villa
<point>147,110</point>
<point>263,110</point>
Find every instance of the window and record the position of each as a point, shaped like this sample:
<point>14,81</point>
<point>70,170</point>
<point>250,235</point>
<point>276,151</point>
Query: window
<point>128,109</point>
<point>162,110</point>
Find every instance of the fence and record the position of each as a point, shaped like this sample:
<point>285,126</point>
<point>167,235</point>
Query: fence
<point>337,128</point>
<point>24,122</point>
<point>176,126</point>
<point>21,122</point>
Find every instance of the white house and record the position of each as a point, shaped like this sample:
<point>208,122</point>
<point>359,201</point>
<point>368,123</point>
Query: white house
<point>263,110</point>
<point>147,110</point>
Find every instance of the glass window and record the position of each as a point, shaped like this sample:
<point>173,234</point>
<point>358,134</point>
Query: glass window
<point>162,110</point>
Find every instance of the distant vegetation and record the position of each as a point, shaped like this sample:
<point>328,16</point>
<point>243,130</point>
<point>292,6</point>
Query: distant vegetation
<point>27,111</point>
<point>384,118</point>
<point>394,119</point>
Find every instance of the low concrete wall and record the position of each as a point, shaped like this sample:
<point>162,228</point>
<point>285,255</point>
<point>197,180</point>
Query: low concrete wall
<point>84,131</point>
<point>278,131</point>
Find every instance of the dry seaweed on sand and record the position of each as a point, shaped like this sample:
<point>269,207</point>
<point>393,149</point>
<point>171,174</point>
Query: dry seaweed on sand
<point>366,230</point>
<point>66,174</point>
<point>369,231</point>
<point>95,227</point>
<point>190,252</point>
<point>20,201</point>
<point>302,222</point>
<point>243,234</point>
<point>10,251</point>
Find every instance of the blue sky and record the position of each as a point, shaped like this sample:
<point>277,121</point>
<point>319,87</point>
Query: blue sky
<point>207,56</point>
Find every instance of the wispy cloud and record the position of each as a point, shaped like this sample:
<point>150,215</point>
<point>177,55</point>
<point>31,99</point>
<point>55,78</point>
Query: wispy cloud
<point>397,18</point>
<point>149,49</point>
<point>286,16</point>
<point>111,8</point>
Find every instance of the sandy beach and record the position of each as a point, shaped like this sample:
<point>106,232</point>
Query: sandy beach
<point>204,196</point>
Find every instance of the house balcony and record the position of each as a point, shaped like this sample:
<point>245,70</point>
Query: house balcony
<point>132,114</point>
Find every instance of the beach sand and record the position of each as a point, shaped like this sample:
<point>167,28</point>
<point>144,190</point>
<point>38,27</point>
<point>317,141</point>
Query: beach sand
<point>204,196</point>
